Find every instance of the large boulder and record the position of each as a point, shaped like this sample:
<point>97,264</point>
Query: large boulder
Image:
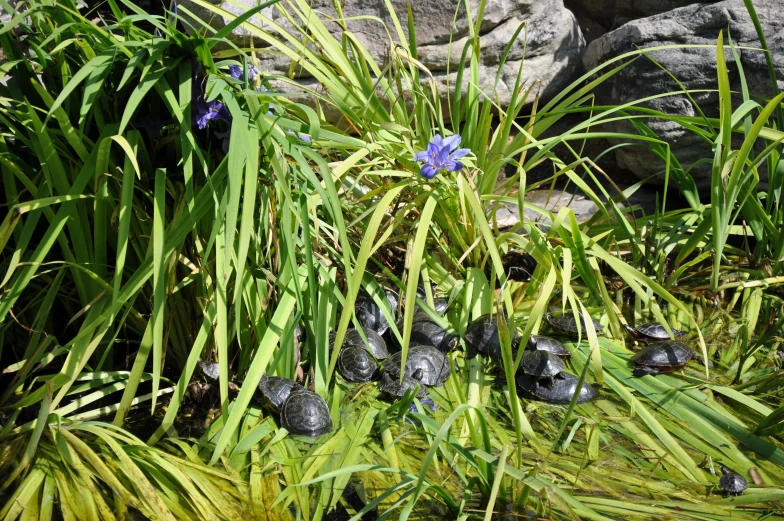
<point>553,54</point>
<point>597,17</point>
<point>695,68</point>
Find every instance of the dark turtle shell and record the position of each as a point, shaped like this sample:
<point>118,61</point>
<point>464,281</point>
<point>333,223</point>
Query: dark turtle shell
<point>434,364</point>
<point>652,331</point>
<point>425,332</point>
<point>482,335</point>
<point>567,324</point>
<point>541,364</point>
<point>559,390</point>
<point>375,343</point>
<point>306,413</point>
<point>274,391</point>
<point>732,483</point>
<point>211,369</point>
<point>661,357</point>
<point>546,343</point>
<point>369,314</point>
<point>356,364</point>
<point>393,386</point>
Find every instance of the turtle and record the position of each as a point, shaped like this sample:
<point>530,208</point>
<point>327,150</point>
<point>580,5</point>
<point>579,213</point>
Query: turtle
<point>482,335</point>
<point>210,369</point>
<point>375,343</point>
<point>661,357</point>
<point>732,483</point>
<point>394,387</point>
<point>369,314</point>
<point>274,391</point>
<point>652,331</point>
<point>561,390</point>
<point>305,412</point>
<point>426,332</point>
<point>568,325</point>
<point>550,344</point>
<point>541,365</point>
<point>434,364</point>
<point>440,305</point>
<point>356,364</point>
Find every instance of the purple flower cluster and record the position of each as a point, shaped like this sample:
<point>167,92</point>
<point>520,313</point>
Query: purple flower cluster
<point>441,154</point>
<point>207,111</point>
<point>237,72</point>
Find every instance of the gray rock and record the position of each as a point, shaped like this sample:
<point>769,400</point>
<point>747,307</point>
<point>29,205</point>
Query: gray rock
<point>553,54</point>
<point>695,68</point>
<point>597,17</point>
<point>509,214</point>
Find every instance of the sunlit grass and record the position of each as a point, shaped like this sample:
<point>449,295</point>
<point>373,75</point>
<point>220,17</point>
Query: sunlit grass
<point>155,250</point>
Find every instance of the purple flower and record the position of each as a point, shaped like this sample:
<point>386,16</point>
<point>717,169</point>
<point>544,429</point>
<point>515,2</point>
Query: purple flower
<point>237,73</point>
<point>206,111</point>
<point>441,154</point>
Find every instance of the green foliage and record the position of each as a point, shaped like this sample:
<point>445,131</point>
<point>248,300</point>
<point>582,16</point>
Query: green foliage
<point>158,246</point>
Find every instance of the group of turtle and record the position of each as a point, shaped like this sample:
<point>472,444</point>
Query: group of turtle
<point>540,374</point>
<point>369,358</point>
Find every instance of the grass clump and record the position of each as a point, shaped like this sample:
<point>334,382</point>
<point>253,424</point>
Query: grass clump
<point>164,207</point>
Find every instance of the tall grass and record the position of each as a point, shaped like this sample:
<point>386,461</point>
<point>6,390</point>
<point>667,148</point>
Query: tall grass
<point>158,247</point>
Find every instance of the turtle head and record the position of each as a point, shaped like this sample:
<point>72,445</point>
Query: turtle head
<point>629,330</point>
<point>532,341</point>
<point>725,470</point>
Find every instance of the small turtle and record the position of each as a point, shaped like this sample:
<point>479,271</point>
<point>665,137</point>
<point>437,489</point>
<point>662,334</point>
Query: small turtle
<point>394,387</point>
<point>652,331</point>
<point>661,357</point>
<point>482,335</point>
<point>563,387</point>
<point>210,369</point>
<point>356,364</point>
<point>375,343</point>
<point>546,343</point>
<point>440,305</point>
<point>274,391</point>
<point>370,315</point>
<point>732,483</point>
<point>425,332</point>
<point>566,324</point>
<point>305,412</point>
<point>434,364</point>
<point>541,364</point>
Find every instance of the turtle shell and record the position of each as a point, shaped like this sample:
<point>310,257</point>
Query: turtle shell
<point>375,343</point>
<point>434,364</point>
<point>356,364</point>
<point>546,343</point>
<point>305,412</point>
<point>393,386</point>
<point>662,357</point>
<point>425,332</point>
<point>567,324</point>
<point>541,364</point>
<point>274,391</point>
<point>653,331</point>
<point>212,369</point>
<point>732,483</point>
<point>482,335</point>
<point>560,390</point>
<point>369,314</point>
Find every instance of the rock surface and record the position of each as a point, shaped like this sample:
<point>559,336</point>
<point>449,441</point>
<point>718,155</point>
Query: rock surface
<point>695,68</point>
<point>554,45</point>
<point>597,17</point>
